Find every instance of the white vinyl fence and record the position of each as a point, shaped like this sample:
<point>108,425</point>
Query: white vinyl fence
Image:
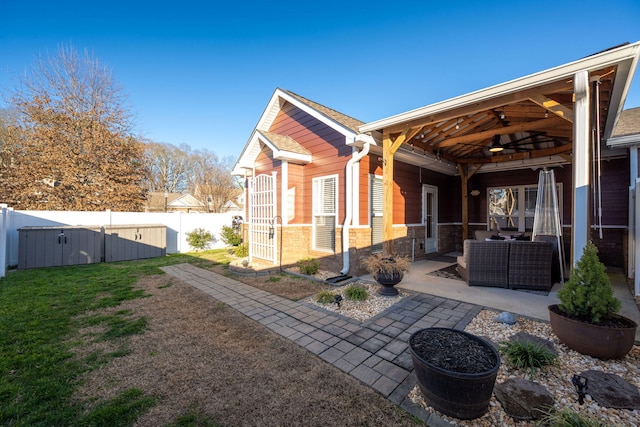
<point>179,224</point>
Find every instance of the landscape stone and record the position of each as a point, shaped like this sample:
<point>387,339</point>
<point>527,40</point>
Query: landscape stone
<point>611,391</point>
<point>525,337</point>
<point>506,317</point>
<point>523,399</point>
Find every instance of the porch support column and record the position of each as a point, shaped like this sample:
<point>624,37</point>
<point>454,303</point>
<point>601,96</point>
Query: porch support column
<point>465,174</point>
<point>580,221</point>
<point>389,147</point>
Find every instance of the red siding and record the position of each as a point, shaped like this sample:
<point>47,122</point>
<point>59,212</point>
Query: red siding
<point>330,153</point>
<point>296,184</point>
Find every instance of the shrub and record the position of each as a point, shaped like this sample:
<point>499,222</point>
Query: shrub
<point>309,266</point>
<point>356,293</point>
<point>230,236</point>
<point>527,355</point>
<point>325,297</point>
<point>241,251</point>
<point>568,418</point>
<point>378,263</point>
<point>588,293</point>
<point>199,238</point>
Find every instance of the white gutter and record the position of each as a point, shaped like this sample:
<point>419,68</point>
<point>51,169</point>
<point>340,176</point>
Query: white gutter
<point>351,165</point>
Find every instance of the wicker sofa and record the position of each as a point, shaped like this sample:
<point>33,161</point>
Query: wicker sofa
<point>507,264</point>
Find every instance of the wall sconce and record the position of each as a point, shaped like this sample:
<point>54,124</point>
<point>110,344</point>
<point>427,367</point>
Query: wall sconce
<point>475,193</point>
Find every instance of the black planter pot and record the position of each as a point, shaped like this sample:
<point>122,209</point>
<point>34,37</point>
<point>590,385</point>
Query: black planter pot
<point>463,395</point>
<point>388,282</point>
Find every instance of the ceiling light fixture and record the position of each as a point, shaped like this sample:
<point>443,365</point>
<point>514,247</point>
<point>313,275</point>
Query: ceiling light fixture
<point>457,123</point>
<point>495,145</point>
<point>546,114</point>
<point>502,115</point>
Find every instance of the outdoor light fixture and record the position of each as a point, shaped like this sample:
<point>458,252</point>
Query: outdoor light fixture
<point>475,192</point>
<point>272,231</point>
<point>495,145</point>
<point>457,123</point>
<point>502,116</point>
<point>337,299</point>
<point>581,385</point>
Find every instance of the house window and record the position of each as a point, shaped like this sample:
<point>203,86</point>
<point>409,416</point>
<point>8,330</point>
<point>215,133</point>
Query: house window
<point>325,208</point>
<point>375,188</point>
<point>513,208</point>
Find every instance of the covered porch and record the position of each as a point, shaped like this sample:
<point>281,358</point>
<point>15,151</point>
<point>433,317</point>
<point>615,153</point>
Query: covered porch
<point>558,118</point>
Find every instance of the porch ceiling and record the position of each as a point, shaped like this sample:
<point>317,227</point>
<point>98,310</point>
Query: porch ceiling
<point>529,119</point>
<point>526,124</point>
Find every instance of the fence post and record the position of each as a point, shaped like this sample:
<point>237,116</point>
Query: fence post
<point>3,239</point>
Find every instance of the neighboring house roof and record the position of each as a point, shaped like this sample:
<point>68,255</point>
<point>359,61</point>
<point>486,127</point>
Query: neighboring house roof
<point>627,130</point>
<point>186,201</point>
<point>284,147</point>
<point>175,201</point>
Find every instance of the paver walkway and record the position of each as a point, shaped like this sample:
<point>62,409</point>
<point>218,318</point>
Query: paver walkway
<point>375,351</point>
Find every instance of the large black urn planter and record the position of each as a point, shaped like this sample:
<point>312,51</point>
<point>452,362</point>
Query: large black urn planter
<point>456,371</point>
<point>388,281</point>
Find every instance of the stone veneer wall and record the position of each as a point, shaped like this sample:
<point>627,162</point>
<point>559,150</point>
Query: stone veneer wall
<point>297,245</point>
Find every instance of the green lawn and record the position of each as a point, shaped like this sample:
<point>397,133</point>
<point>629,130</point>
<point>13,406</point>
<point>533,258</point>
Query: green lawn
<point>41,312</point>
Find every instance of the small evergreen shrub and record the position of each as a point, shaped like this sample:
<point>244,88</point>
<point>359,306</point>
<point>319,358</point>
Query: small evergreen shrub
<point>230,236</point>
<point>309,266</point>
<point>199,238</point>
<point>588,293</point>
<point>527,355</point>
<point>356,293</point>
<point>241,250</point>
<point>325,297</point>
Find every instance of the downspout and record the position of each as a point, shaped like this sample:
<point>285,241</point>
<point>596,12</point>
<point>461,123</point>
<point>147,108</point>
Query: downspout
<point>351,164</point>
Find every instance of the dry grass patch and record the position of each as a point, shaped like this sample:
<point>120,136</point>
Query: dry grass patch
<point>198,355</point>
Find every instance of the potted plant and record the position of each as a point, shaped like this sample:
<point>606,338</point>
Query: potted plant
<point>387,270</point>
<point>456,370</point>
<point>586,319</point>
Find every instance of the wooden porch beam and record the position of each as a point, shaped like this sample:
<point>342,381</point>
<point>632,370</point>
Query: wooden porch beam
<point>489,104</point>
<point>465,174</point>
<point>522,127</point>
<point>520,156</point>
<point>553,107</point>
<point>389,147</point>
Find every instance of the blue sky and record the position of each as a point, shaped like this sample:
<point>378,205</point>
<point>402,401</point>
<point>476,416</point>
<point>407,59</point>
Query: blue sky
<point>202,72</point>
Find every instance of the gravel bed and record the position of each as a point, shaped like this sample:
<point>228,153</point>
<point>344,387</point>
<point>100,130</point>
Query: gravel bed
<point>557,379</point>
<point>359,310</point>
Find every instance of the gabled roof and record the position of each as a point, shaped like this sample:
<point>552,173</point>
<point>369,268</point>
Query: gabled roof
<point>629,123</point>
<point>627,131</point>
<point>348,122</point>
<point>186,201</point>
<point>283,146</point>
<point>530,119</point>
<point>283,143</point>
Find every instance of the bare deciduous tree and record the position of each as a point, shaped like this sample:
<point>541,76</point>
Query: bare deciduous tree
<point>168,167</point>
<point>71,146</point>
<point>211,181</point>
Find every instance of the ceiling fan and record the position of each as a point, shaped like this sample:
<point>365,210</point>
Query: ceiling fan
<point>517,145</point>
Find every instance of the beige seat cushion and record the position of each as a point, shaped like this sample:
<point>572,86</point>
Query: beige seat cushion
<point>484,234</point>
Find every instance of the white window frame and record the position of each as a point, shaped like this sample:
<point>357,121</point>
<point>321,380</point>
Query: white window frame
<point>373,212</point>
<point>319,211</point>
<point>521,203</point>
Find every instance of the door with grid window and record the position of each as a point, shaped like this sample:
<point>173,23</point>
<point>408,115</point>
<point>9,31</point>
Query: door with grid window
<point>430,218</point>
<point>262,211</point>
